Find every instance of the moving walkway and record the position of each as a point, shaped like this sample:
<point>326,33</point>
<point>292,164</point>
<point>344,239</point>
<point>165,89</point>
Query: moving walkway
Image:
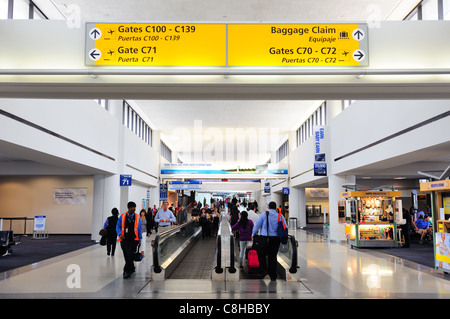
<point>181,253</point>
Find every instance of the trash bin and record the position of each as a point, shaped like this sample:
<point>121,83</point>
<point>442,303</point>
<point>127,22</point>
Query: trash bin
<point>326,231</point>
<point>292,222</point>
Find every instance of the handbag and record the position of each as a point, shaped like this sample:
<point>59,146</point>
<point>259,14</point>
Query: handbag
<point>103,241</point>
<point>282,230</point>
<point>138,256</point>
<point>103,232</point>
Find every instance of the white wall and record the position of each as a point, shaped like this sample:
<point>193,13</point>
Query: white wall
<point>82,121</point>
<point>92,142</point>
<point>29,196</point>
<point>365,122</point>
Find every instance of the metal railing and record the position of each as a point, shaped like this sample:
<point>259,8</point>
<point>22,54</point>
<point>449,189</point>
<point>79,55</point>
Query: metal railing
<point>287,255</point>
<point>219,269</point>
<point>225,250</point>
<point>171,244</point>
<point>13,227</point>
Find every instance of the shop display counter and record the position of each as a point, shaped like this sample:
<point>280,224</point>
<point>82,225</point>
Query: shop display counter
<point>371,218</point>
<point>440,207</point>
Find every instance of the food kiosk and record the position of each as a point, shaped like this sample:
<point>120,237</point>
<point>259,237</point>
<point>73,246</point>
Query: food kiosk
<point>440,212</point>
<point>371,217</point>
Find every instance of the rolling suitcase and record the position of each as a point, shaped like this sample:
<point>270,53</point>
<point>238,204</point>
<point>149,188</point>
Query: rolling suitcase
<point>252,261</point>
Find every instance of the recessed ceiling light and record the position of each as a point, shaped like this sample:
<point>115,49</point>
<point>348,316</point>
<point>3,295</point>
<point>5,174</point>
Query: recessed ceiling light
<point>400,178</point>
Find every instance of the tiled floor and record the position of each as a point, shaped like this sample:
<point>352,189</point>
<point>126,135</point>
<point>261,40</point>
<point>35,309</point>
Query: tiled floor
<point>327,270</point>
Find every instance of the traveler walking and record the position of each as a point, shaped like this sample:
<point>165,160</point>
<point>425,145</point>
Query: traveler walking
<point>215,221</point>
<point>406,228</point>
<point>267,224</point>
<point>129,229</point>
<point>146,232</point>
<point>251,213</point>
<point>205,222</point>
<point>245,228</point>
<point>164,217</point>
<point>181,216</point>
<point>111,236</point>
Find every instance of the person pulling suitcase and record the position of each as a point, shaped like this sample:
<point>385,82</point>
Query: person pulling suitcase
<point>269,242</point>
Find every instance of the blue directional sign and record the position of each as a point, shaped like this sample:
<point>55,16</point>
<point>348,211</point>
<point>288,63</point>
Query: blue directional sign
<point>320,169</point>
<point>162,192</point>
<point>267,187</point>
<point>125,180</point>
<point>285,190</point>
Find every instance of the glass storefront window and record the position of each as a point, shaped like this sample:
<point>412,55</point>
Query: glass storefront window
<point>446,9</point>
<point>430,10</point>
<point>21,9</point>
<point>3,10</point>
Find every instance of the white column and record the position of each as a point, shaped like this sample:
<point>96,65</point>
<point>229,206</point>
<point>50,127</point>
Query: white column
<point>335,182</point>
<point>297,202</point>
<point>106,197</point>
<point>107,191</point>
<point>154,196</point>
<point>301,222</point>
<point>334,107</point>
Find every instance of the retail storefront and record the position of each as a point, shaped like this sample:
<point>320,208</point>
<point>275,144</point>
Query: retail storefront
<point>440,208</point>
<point>371,217</point>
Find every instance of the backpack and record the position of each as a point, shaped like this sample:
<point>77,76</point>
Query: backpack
<point>282,230</point>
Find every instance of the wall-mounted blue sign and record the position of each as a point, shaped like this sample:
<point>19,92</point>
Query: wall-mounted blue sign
<point>125,180</point>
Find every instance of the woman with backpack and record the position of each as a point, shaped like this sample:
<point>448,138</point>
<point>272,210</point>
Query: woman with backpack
<point>245,227</point>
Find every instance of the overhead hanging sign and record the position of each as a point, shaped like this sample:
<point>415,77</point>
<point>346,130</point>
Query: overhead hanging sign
<point>297,45</point>
<point>320,162</point>
<point>185,185</point>
<point>182,169</point>
<point>184,44</point>
<point>435,185</point>
<point>155,44</point>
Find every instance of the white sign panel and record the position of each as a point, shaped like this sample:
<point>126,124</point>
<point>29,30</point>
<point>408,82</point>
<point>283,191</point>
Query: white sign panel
<point>39,223</point>
<point>69,196</point>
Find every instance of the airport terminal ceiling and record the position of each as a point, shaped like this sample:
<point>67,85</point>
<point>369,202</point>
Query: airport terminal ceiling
<point>232,10</point>
<point>183,111</point>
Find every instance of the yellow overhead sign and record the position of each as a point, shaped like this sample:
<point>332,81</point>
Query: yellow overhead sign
<point>435,186</point>
<point>297,45</point>
<point>185,44</point>
<point>155,44</point>
<point>371,194</point>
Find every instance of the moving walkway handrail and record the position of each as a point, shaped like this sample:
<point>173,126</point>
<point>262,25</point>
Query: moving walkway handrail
<point>218,267</point>
<point>294,261</point>
<point>162,235</point>
<point>232,268</point>
<point>225,227</point>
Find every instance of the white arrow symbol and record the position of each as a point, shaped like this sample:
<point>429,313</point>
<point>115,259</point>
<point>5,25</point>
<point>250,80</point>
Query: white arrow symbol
<point>358,34</point>
<point>359,55</point>
<point>95,33</point>
<point>95,54</point>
